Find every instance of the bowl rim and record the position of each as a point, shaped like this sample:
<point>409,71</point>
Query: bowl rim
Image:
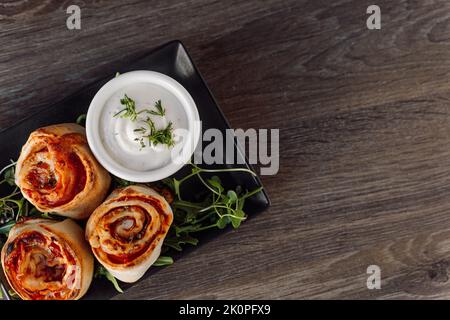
<point>126,79</point>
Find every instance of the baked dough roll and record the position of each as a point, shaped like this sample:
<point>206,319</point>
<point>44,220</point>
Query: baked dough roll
<point>45,259</point>
<point>57,172</point>
<point>126,231</point>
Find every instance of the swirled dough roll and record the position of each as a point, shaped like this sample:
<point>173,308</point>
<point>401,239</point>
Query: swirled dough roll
<point>57,172</point>
<point>126,232</point>
<point>45,259</point>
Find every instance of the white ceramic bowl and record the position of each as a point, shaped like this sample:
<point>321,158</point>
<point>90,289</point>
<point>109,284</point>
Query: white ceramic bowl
<point>163,85</point>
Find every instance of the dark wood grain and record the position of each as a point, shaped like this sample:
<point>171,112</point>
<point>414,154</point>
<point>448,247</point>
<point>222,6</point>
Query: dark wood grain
<point>364,119</point>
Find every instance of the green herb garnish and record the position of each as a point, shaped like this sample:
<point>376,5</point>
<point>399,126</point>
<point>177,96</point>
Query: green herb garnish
<point>160,111</point>
<point>153,135</point>
<point>121,183</point>
<point>129,110</point>
<point>9,174</point>
<point>81,120</point>
<point>100,271</point>
<point>150,133</point>
<point>163,261</point>
<point>14,206</point>
<point>162,136</point>
<point>13,294</point>
<point>219,208</point>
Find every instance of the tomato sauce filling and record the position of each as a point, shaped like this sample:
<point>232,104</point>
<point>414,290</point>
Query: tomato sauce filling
<point>123,229</point>
<point>42,254</point>
<point>129,257</point>
<point>40,177</point>
<point>53,187</point>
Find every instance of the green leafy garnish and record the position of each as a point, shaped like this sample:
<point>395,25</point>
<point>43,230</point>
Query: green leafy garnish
<point>129,110</point>
<point>81,120</point>
<point>8,174</point>
<point>163,261</point>
<point>12,294</point>
<point>100,271</point>
<point>121,183</point>
<point>219,208</point>
<point>162,136</point>
<point>148,132</point>
<point>160,111</point>
<point>153,135</point>
<point>5,228</point>
<point>12,206</point>
<point>181,239</point>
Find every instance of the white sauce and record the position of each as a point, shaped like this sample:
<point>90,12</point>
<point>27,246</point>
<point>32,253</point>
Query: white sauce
<point>118,136</point>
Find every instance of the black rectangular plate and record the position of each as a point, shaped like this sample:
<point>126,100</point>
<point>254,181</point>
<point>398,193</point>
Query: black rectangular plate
<point>173,60</point>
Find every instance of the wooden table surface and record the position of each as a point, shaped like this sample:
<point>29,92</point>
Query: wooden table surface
<point>364,119</point>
